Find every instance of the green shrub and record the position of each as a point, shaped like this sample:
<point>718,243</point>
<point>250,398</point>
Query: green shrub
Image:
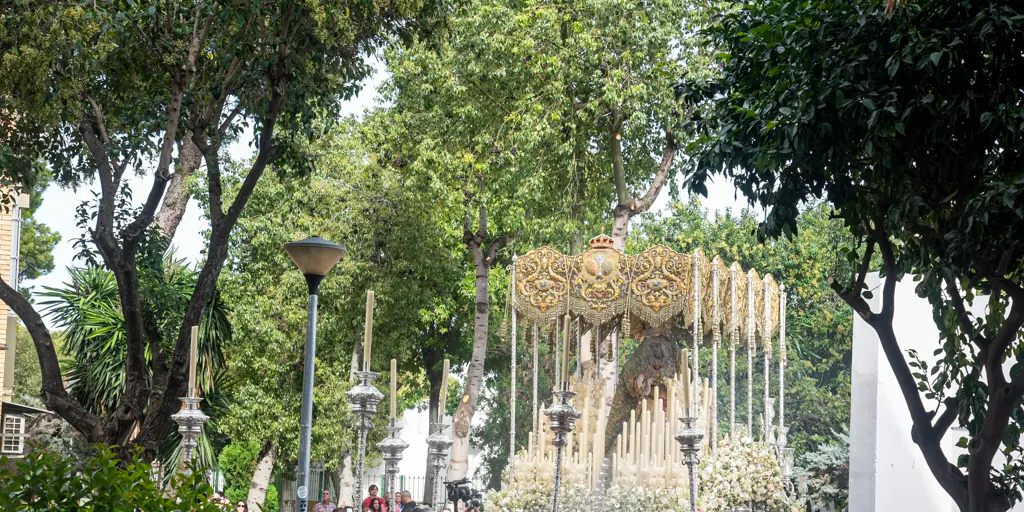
<point>270,505</point>
<point>237,461</point>
<point>44,482</point>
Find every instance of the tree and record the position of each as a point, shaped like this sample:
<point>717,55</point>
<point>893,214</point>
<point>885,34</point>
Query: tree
<point>547,115</point>
<point>36,243</point>
<point>397,246</point>
<point>98,89</point>
<point>909,127</point>
<point>87,309</point>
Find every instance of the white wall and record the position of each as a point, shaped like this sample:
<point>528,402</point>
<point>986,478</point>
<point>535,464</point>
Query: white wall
<point>887,471</point>
<point>415,429</point>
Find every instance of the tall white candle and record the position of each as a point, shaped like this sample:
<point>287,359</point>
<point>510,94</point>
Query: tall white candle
<point>394,387</point>
<point>444,392</point>
<point>368,333</point>
<point>193,358</point>
<point>686,383</point>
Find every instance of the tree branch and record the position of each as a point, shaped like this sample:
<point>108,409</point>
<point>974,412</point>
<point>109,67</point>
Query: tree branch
<point>667,157</point>
<point>947,417</point>
<point>961,314</point>
<point>494,247</point>
<point>1007,333</point>
<point>481,230</point>
<point>163,398</point>
<point>54,394</point>
<point>892,270</point>
<point>615,141</point>
<point>176,198</point>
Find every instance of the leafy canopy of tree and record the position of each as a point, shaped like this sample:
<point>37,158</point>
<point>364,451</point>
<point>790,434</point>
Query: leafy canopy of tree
<point>396,246</point>
<point>87,310</point>
<point>546,114</point>
<point>542,110</point>
<point>36,243</point>
<point>97,89</point>
<point>910,127</point>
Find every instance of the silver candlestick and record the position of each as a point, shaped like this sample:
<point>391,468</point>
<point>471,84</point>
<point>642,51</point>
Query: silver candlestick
<point>785,453</point>
<point>363,400</point>
<point>438,445</point>
<point>689,438</point>
<point>391,449</point>
<point>190,422</point>
<point>563,419</point>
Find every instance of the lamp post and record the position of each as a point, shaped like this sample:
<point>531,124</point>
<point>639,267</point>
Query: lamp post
<point>315,257</point>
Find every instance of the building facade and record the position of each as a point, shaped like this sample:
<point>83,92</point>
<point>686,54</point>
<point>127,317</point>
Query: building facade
<point>13,417</point>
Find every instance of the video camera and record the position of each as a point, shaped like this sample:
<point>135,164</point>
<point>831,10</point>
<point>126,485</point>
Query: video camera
<point>463,490</point>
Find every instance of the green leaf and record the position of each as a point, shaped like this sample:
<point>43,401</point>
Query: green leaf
<point>986,119</point>
<point>935,56</point>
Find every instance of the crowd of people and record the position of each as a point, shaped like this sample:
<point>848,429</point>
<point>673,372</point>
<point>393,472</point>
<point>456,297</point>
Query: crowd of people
<point>372,503</point>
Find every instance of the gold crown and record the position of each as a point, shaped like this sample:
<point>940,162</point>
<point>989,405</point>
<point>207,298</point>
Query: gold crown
<point>602,241</point>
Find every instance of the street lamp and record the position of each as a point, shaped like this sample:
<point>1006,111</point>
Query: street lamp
<point>315,257</point>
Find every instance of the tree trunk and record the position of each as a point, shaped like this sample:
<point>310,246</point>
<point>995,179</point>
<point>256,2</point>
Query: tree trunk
<point>483,259</point>
<point>176,197</point>
<point>620,225</point>
<point>654,363</point>
<point>346,478</point>
<point>459,465</point>
<point>261,477</point>
<point>432,359</point>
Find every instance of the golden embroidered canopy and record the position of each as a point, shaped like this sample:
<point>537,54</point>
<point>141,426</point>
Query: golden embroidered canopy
<point>655,287</point>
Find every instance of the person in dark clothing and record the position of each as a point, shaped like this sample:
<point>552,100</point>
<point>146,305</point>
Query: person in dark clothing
<point>408,505</point>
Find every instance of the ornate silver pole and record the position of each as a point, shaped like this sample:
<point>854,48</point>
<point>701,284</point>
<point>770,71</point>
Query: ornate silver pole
<point>190,422</point>
<point>533,369</point>
<point>391,449</point>
<point>716,335</point>
<point>766,340</point>
<point>363,400</point>
<point>698,332</point>
<point>734,334</point>
<point>689,439</point>
<point>782,356</point>
<point>512,394</point>
<point>563,419</point>
<point>751,324</point>
<point>438,445</point>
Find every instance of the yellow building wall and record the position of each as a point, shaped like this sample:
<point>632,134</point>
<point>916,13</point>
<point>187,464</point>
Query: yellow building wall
<point>7,348</point>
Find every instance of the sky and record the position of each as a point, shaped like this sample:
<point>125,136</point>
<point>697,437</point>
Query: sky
<point>58,208</point>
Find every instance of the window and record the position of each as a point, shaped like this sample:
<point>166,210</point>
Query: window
<point>14,434</point>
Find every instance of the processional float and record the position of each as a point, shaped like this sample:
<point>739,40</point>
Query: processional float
<point>581,301</point>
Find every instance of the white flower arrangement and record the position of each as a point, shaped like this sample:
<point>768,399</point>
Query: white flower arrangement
<point>535,496</point>
<point>622,499</point>
<point>742,472</point>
